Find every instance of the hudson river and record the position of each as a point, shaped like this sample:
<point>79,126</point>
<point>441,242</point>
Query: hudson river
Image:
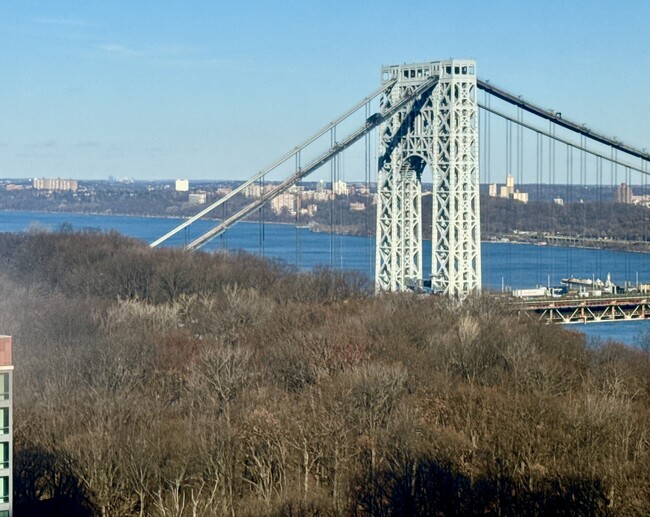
<point>503,264</point>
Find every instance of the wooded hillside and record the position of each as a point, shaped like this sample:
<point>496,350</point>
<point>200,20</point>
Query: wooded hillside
<point>157,382</point>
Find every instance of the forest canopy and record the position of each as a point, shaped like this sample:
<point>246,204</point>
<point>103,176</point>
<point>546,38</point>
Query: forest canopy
<point>164,383</point>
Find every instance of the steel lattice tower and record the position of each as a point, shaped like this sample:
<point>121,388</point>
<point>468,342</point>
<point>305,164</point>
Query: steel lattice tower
<point>438,129</point>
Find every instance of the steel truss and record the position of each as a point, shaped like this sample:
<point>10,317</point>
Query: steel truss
<point>439,130</point>
<point>587,311</point>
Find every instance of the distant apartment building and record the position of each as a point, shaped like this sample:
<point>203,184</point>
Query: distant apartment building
<point>197,198</point>
<point>623,194</point>
<point>182,185</point>
<point>522,197</point>
<point>357,207</point>
<point>253,191</point>
<point>222,191</point>
<point>508,191</point>
<point>322,195</point>
<point>643,200</point>
<point>55,185</point>
<point>558,201</point>
<point>287,202</point>
<point>6,428</point>
<point>340,188</point>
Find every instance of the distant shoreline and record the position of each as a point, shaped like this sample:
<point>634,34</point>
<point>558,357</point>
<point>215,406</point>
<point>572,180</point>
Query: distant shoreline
<point>337,230</point>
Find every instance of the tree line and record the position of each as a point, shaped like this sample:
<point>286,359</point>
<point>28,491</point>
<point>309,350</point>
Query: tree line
<point>164,383</point>
<point>606,220</point>
<point>594,219</point>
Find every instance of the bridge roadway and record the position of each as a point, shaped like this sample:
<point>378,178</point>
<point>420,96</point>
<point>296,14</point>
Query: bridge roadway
<point>574,309</point>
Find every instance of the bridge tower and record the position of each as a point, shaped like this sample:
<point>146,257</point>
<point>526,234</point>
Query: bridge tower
<point>439,129</point>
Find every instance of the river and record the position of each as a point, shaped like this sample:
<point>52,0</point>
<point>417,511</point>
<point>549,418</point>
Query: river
<point>504,265</point>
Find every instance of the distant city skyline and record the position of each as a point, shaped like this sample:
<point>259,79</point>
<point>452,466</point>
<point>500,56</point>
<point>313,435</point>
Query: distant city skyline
<point>217,90</point>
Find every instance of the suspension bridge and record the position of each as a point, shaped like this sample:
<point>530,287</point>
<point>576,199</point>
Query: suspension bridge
<point>425,117</point>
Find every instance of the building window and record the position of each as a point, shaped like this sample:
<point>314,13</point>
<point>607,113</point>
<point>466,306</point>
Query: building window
<point>4,386</point>
<point>4,420</point>
<point>4,456</point>
<point>4,489</point>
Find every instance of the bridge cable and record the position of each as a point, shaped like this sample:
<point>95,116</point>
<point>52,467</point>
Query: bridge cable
<point>297,204</point>
<point>510,201</point>
<point>367,177</point>
<point>613,182</point>
<point>340,236</point>
<point>628,235</point>
<point>427,85</point>
<point>487,127</point>
<point>599,176</point>
<point>645,218</point>
<point>538,200</point>
<point>583,184</point>
<point>520,146</point>
<point>549,134</point>
<point>316,163</point>
<point>551,184</point>
<point>486,203</point>
<point>331,214</point>
<point>561,121</point>
<point>569,210</point>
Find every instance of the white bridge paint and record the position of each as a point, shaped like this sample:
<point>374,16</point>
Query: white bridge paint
<point>438,129</point>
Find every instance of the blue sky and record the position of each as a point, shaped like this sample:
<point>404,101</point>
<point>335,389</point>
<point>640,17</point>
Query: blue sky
<point>215,89</point>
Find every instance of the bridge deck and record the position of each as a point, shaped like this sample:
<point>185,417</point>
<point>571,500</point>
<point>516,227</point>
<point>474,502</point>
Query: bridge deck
<point>586,310</point>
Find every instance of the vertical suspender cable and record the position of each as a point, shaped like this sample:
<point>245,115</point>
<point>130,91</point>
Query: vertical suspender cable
<point>613,181</point>
<point>332,179</point>
<point>583,183</point>
<point>520,147</point>
<point>298,208</point>
<point>367,213</point>
<point>509,201</point>
<point>551,183</point>
<point>487,127</point>
<point>538,179</point>
<point>341,168</point>
<point>569,210</point>
<point>629,235</point>
<point>599,176</point>
<point>644,181</point>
